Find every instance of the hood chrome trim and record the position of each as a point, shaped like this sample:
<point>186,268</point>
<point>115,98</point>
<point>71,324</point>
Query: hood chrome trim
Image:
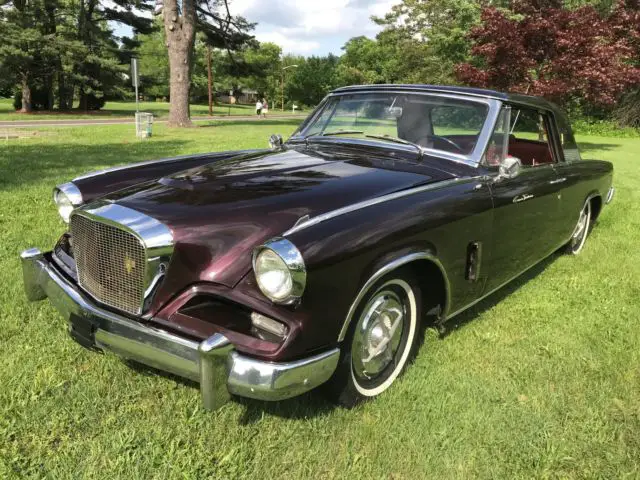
<point>310,222</point>
<point>154,234</point>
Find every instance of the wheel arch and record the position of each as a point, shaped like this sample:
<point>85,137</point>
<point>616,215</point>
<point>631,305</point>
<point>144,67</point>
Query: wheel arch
<point>424,264</point>
<point>595,200</point>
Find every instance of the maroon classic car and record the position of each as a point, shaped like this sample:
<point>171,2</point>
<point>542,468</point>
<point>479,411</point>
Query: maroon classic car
<point>319,261</point>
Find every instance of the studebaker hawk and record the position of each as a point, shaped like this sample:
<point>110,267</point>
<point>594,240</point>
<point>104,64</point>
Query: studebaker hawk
<point>319,261</point>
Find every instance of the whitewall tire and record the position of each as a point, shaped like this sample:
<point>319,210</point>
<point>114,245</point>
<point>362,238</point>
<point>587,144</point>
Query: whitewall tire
<point>382,340</point>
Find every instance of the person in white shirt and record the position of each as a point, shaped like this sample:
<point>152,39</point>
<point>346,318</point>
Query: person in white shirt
<point>258,108</point>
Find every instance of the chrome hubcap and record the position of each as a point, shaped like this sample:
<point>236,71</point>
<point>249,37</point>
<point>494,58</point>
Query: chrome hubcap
<point>378,334</point>
<point>582,224</point>
<point>580,233</point>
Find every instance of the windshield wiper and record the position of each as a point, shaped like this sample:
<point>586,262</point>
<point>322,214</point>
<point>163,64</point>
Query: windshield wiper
<point>397,140</point>
<point>340,132</point>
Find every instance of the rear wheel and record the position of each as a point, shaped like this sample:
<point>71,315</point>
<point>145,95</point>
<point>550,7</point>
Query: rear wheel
<point>382,340</point>
<point>580,233</point>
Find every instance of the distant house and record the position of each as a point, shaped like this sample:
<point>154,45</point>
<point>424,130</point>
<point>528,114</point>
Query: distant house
<point>245,96</point>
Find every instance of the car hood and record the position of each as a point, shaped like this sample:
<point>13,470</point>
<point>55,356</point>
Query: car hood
<point>219,212</point>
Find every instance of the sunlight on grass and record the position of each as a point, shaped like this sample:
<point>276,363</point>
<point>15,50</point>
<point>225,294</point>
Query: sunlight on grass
<point>540,380</point>
<point>113,109</point>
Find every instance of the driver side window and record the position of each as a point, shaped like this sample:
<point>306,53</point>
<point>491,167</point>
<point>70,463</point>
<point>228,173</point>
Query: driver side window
<point>529,137</point>
<point>526,133</point>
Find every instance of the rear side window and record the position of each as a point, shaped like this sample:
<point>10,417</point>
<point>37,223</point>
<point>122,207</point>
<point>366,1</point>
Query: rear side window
<point>567,141</point>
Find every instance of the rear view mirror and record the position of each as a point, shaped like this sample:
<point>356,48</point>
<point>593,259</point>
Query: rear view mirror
<point>395,112</point>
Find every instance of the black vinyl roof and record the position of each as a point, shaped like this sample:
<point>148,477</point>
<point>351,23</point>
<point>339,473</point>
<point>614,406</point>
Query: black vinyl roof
<point>530,100</point>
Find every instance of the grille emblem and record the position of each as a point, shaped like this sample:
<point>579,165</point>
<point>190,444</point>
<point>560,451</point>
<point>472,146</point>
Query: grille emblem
<point>129,264</point>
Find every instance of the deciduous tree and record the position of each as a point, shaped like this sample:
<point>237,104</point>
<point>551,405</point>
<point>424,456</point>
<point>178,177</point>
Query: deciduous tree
<point>181,21</point>
<point>545,49</point>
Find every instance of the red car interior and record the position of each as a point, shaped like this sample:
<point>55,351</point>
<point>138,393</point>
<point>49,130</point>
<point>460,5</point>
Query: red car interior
<point>530,152</point>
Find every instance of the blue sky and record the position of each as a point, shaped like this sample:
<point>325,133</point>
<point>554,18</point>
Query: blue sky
<point>307,27</point>
<point>311,27</point>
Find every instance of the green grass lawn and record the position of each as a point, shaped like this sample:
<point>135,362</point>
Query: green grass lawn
<point>540,380</point>
<point>160,110</point>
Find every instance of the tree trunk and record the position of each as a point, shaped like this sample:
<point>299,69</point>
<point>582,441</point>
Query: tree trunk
<point>180,36</point>
<point>63,94</point>
<point>83,103</point>
<point>26,96</point>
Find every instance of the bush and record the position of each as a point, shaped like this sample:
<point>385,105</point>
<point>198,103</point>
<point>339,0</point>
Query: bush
<point>95,103</point>
<point>603,128</point>
<point>39,99</point>
<point>627,113</point>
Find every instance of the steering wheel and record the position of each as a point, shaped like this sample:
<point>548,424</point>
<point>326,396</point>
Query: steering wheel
<point>426,138</point>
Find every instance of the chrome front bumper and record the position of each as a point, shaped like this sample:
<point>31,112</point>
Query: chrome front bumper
<point>213,363</point>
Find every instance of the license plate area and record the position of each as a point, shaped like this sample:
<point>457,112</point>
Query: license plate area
<point>83,330</point>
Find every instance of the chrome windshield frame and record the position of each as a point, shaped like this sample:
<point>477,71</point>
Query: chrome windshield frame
<point>473,159</point>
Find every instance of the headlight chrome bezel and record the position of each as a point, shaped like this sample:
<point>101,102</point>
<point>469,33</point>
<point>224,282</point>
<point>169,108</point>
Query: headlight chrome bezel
<point>69,192</point>
<point>292,258</point>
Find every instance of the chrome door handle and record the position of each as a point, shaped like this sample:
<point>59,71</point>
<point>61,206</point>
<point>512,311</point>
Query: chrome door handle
<point>557,180</point>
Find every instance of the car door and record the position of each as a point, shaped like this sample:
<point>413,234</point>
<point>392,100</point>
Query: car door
<point>526,207</point>
<point>572,173</point>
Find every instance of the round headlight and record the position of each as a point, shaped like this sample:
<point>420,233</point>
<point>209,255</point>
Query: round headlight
<point>67,197</point>
<point>280,271</point>
<point>65,207</point>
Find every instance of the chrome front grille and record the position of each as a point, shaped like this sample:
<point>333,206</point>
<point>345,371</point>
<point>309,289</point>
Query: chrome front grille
<point>111,263</point>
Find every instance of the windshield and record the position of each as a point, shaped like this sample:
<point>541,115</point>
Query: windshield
<point>430,121</point>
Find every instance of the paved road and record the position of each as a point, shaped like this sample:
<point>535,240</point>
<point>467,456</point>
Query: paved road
<point>123,121</point>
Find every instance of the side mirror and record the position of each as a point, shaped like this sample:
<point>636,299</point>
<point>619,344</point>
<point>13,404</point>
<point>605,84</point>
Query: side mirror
<point>275,141</point>
<point>509,168</point>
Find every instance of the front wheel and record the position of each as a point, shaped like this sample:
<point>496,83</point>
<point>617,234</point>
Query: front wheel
<point>382,340</point>
<point>580,233</point>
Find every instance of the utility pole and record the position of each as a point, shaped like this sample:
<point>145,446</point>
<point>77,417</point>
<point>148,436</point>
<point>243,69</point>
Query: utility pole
<point>282,83</point>
<point>210,81</point>
<point>135,78</point>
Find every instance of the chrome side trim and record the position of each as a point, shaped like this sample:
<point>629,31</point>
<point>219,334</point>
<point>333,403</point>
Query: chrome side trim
<point>213,363</point>
<point>72,192</point>
<point>610,195</point>
<point>253,378</point>
<point>156,238</point>
<point>301,225</point>
<point>389,267</point>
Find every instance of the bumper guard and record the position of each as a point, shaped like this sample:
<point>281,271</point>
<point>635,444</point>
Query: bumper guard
<point>220,370</point>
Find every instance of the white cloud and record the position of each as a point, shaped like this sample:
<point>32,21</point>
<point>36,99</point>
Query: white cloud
<point>311,27</point>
